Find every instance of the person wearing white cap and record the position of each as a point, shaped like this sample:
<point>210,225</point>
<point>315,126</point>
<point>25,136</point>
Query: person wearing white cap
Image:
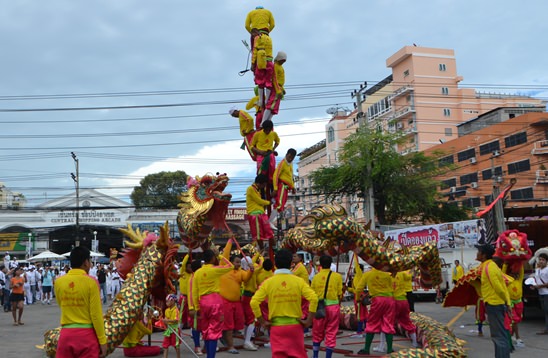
<point>278,82</point>
<point>246,129</point>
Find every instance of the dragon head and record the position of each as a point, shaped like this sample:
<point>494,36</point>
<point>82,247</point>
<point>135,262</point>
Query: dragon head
<point>513,248</point>
<point>203,205</point>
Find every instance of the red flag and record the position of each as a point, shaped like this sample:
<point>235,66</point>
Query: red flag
<point>501,196</point>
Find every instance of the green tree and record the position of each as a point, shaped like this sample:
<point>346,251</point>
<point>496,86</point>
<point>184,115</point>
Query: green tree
<point>159,190</point>
<point>403,186</point>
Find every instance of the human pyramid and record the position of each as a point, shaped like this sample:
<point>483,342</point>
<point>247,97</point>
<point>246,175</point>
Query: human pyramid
<point>273,181</point>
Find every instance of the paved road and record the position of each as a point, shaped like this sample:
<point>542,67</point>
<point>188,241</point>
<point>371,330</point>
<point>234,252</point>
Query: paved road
<point>20,341</point>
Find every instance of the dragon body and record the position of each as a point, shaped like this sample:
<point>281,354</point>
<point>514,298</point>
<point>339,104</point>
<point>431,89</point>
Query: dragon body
<point>332,232</point>
<point>203,210</point>
<point>147,268</point>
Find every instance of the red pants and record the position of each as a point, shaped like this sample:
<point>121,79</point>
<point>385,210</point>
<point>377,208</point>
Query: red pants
<point>268,167</point>
<point>381,315</point>
<point>281,196</point>
<point>171,341</point>
<point>361,311</point>
<point>248,315</point>
<point>247,142</point>
<point>78,342</point>
<point>234,315</point>
<point>402,316</point>
<point>211,316</point>
<point>327,327</point>
<point>263,77</point>
<point>185,318</point>
<point>480,311</point>
<point>287,341</point>
<point>260,227</point>
<point>273,103</point>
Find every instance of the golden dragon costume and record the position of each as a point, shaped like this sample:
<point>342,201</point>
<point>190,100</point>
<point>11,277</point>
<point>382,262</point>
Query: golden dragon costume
<point>148,268</point>
<point>332,232</point>
<point>201,218</point>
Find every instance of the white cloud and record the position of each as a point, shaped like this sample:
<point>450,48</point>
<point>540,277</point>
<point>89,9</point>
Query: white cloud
<point>226,157</point>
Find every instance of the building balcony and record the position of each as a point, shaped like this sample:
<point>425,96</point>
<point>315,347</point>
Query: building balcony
<point>542,177</point>
<point>402,113</point>
<point>540,147</point>
<point>400,92</point>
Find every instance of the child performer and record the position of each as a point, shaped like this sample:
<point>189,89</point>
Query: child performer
<point>171,319</point>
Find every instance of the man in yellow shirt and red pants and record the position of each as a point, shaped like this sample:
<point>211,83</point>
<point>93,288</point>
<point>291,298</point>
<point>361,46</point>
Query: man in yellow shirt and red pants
<point>206,300</point>
<point>255,206</point>
<point>82,326</point>
<point>284,292</point>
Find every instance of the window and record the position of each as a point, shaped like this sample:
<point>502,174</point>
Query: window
<point>521,194</point>
<point>489,148</point>
<point>518,167</point>
<point>408,98</point>
<point>378,108</point>
<point>515,139</point>
<point>448,132</point>
<point>445,90</point>
<point>468,178</point>
<point>467,154</point>
<point>448,183</point>
<point>442,67</point>
<point>488,173</point>
<point>447,112</point>
<point>330,134</point>
<point>471,203</point>
<point>488,199</point>
<point>446,161</point>
<point>405,73</point>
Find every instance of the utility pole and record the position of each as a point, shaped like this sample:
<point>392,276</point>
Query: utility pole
<point>369,198</point>
<point>76,179</point>
<point>499,210</point>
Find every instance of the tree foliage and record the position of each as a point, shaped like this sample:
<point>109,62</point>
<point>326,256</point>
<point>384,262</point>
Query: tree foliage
<point>403,186</point>
<point>159,190</point>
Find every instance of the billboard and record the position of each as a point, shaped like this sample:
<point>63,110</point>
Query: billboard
<point>453,235</point>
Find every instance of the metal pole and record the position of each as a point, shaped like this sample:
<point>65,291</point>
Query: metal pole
<point>29,246</point>
<point>499,211</point>
<point>76,179</point>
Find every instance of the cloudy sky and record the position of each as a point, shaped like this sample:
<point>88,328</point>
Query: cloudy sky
<point>137,87</point>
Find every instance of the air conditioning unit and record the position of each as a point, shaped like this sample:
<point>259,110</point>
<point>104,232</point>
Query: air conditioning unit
<point>496,153</point>
<point>399,125</point>
<point>453,189</point>
<point>498,179</point>
<point>473,160</point>
<point>474,185</point>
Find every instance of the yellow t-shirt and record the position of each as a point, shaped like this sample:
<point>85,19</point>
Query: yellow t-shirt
<point>253,201</point>
<point>493,287</point>
<point>401,283</point>
<point>206,280</point>
<point>259,19</point>
<point>334,288</point>
<point>284,291</point>
<point>246,123</point>
<point>300,271</point>
<point>265,142</point>
<point>231,284</point>
<point>378,282</point>
<point>283,174</point>
<point>79,298</point>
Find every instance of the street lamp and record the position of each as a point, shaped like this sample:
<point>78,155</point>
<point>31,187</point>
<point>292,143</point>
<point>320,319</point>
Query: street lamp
<point>29,246</point>
<point>94,246</point>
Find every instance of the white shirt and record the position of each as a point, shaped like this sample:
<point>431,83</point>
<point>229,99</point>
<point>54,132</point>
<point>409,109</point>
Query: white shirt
<point>541,278</point>
<point>31,277</point>
<point>3,278</point>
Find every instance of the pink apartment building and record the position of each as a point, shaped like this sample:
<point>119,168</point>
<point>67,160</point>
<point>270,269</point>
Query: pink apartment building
<point>421,100</point>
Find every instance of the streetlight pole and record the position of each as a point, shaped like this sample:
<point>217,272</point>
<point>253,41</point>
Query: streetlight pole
<point>94,245</point>
<point>76,179</point>
<point>369,197</point>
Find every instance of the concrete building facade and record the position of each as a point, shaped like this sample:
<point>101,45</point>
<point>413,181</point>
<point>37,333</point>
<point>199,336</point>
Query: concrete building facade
<point>493,156</point>
<point>421,100</point>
